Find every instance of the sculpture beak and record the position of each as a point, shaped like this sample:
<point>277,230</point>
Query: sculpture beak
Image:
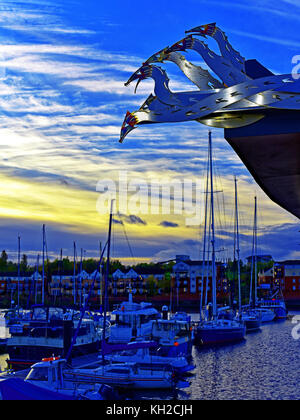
<point>124,132</point>
<point>129,124</point>
<point>198,30</point>
<point>135,76</point>
<point>204,30</point>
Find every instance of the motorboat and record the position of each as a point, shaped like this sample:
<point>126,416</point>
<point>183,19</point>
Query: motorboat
<point>132,320</point>
<point>46,381</point>
<point>277,305</point>
<point>174,336</point>
<point>127,376</point>
<point>148,353</point>
<point>46,334</point>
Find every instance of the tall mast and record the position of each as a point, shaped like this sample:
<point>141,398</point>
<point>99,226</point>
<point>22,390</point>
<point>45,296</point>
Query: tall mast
<point>43,272</point>
<point>214,280</point>
<point>100,278</point>
<point>107,276</point>
<point>74,273</point>
<point>60,272</point>
<point>36,278</point>
<point>19,254</point>
<point>254,259</point>
<point>238,244</point>
<point>255,249</point>
<point>80,279</point>
<point>204,242</point>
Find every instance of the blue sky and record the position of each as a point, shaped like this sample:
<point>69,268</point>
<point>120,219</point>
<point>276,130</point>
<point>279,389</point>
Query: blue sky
<point>63,65</point>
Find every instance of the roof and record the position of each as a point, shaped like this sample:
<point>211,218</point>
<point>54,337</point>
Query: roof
<point>15,274</point>
<point>197,263</point>
<point>146,270</point>
<point>269,257</point>
<point>289,262</point>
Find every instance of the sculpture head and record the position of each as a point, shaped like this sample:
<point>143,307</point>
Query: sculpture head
<point>129,124</point>
<point>204,30</point>
<point>183,45</point>
<point>141,74</point>
<point>159,57</point>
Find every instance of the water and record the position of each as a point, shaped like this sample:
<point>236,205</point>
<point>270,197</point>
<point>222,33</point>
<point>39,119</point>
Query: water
<point>265,366</point>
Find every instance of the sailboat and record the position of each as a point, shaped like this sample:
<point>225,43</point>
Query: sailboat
<point>216,331</point>
<point>251,319</point>
<point>265,315</point>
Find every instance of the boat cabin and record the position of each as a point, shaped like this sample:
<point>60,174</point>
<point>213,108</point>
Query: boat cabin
<point>49,372</point>
<point>132,320</point>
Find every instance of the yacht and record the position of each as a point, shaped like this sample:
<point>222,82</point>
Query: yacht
<point>127,375</point>
<point>215,331</point>
<point>251,319</point>
<point>219,332</point>
<point>45,334</point>
<point>277,305</point>
<point>147,353</point>
<point>267,315</point>
<point>132,320</point>
<point>174,336</point>
<point>46,381</point>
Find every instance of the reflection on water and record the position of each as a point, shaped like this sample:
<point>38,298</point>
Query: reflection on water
<point>265,366</point>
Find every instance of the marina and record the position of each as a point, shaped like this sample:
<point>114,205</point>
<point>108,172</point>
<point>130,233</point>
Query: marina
<point>263,366</point>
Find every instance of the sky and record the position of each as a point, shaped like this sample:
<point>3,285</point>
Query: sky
<point>63,65</point>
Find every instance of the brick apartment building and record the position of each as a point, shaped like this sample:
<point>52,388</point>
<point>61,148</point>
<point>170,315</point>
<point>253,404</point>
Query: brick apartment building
<point>287,275</point>
<point>188,275</point>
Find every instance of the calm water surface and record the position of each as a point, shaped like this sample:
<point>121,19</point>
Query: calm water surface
<point>265,366</point>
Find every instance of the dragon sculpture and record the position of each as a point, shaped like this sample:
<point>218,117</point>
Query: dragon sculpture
<point>259,110</point>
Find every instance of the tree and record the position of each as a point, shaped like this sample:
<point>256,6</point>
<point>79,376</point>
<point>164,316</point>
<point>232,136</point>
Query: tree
<point>3,260</point>
<point>24,263</point>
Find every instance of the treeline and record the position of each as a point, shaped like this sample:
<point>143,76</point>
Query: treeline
<point>66,265</point>
<point>7,266</point>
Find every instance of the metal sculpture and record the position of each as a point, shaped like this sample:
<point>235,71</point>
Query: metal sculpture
<point>258,110</point>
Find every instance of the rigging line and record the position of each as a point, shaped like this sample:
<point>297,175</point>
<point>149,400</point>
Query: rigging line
<point>204,239</point>
<point>128,243</point>
<point>205,172</point>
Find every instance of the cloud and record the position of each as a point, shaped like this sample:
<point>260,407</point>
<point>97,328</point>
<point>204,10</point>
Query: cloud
<point>131,219</point>
<point>167,224</point>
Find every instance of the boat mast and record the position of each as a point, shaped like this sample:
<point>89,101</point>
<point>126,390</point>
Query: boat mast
<point>74,273</point>
<point>19,252</point>
<point>107,277</point>
<point>204,241</point>
<point>36,278</point>
<point>254,259</point>
<point>238,244</point>
<point>60,273</point>
<point>100,279</point>
<point>80,278</point>
<point>43,272</point>
<point>255,249</point>
<point>214,280</point>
